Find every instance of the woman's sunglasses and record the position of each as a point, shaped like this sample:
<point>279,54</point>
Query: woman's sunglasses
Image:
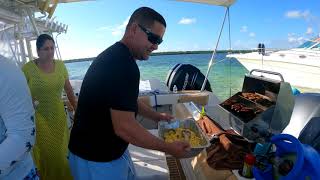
<point>153,38</point>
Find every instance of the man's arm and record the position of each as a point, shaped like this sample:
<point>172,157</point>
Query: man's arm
<point>148,112</point>
<point>126,127</point>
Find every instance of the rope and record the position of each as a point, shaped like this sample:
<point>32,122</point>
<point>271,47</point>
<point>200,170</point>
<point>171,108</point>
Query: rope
<point>155,98</point>
<point>214,52</point>
<point>229,51</point>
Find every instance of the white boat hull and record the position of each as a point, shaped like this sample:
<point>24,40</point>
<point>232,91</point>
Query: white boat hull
<point>296,73</point>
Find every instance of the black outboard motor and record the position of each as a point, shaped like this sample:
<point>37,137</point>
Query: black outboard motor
<point>261,49</point>
<point>186,77</point>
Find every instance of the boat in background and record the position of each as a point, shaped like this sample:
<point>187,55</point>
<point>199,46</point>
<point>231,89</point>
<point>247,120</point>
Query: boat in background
<point>299,66</point>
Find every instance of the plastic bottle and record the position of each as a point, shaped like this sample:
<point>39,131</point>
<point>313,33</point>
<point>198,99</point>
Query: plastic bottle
<point>249,161</point>
<point>202,113</point>
<point>174,89</point>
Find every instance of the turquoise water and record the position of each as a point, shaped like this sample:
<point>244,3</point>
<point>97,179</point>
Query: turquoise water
<point>225,74</point>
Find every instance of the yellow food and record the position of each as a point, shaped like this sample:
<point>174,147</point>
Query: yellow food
<point>182,134</point>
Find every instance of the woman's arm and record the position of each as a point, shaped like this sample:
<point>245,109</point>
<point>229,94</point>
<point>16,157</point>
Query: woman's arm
<point>71,97</point>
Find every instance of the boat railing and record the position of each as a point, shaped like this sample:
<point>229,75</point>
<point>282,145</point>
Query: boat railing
<point>294,51</point>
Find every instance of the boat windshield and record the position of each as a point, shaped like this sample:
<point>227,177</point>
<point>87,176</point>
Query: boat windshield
<point>307,45</point>
<point>316,47</point>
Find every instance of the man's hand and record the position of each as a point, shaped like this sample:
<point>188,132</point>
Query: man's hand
<point>164,116</point>
<point>178,149</point>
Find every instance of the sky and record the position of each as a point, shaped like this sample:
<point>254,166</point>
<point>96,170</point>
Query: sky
<point>95,25</point>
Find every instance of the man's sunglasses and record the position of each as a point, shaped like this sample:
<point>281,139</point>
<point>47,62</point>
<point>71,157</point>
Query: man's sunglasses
<point>153,38</point>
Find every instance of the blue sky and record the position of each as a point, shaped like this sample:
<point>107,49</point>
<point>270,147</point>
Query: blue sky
<point>95,25</point>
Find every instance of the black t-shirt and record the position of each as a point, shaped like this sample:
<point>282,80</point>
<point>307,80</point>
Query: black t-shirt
<point>112,81</point>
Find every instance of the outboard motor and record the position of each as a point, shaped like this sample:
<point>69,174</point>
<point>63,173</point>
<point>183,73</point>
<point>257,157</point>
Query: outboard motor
<point>261,49</point>
<point>186,77</point>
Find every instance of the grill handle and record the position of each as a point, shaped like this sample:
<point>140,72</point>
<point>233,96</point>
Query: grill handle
<point>267,72</point>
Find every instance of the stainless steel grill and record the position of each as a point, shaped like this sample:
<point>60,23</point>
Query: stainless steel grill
<point>261,109</point>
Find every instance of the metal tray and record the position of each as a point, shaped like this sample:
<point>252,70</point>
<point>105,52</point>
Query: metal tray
<point>164,126</point>
<point>243,116</point>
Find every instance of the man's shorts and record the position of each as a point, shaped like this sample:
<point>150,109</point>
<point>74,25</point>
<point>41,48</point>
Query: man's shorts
<point>120,169</point>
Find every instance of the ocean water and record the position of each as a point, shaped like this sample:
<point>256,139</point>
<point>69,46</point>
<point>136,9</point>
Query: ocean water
<point>226,76</point>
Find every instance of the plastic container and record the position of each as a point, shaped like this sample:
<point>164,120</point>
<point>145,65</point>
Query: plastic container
<point>306,164</point>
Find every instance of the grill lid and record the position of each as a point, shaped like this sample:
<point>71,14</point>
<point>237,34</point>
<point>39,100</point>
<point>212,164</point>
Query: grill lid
<point>274,100</point>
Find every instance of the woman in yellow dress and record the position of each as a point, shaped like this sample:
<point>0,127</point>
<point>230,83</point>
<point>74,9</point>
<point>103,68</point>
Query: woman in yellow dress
<point>47,78</point>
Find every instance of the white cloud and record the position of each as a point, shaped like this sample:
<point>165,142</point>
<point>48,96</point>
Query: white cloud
<point>306,14</point>
<point>119,30</point>
<point>294,39</point>
<point>187,21</point>
<point>298,14</point>
<point>244,29</point>
<point>252,34</point>
<point>309,30</point>
<point>293,14</point>
<point>116,30</point>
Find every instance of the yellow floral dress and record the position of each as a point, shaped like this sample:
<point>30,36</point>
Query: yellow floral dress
<point>52,136</point>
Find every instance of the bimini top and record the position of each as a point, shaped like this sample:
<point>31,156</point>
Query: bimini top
<point>225,3</point>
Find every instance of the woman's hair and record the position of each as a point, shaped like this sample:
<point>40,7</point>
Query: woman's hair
<point>42,39</point>
<point>146,16</point>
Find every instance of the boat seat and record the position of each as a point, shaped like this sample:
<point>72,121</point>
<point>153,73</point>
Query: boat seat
<point>310,134</point>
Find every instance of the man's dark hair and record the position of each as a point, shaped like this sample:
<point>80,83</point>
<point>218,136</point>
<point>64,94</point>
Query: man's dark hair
<point>42,39</point>
<point>146,16</point>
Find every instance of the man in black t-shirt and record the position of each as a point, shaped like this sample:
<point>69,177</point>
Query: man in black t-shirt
<point>105,118</point>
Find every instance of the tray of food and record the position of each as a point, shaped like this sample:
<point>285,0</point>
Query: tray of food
<point>241,107</point>
<point>258,98</point>
<point>184,130</point>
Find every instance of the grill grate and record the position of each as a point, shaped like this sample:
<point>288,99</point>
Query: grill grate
<point>175,169</point>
